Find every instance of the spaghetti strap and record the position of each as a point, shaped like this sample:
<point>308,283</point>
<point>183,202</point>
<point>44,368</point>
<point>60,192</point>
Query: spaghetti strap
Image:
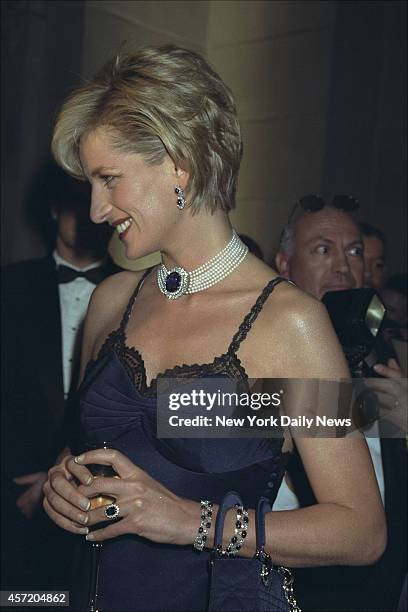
<point>250,318</point>
<point>129,307</point>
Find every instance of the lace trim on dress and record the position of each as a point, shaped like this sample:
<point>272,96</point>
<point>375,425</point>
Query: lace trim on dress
<point>250,318</point>
<point>225,365</point>
<point>228,364</point>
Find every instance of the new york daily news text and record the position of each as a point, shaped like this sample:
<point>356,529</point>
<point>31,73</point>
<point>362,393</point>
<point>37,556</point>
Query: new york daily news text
<point>221,407</point>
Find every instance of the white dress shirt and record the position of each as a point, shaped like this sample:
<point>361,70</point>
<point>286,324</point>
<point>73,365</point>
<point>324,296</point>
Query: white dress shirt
<point>74,299</point>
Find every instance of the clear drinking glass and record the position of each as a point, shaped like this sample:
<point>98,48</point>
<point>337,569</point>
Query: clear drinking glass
<point>98,471</point>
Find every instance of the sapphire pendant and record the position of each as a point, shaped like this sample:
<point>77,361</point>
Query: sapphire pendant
<point>173,282</point>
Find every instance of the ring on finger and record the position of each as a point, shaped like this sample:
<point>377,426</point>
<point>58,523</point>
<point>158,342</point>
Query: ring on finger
<point>112,511</point>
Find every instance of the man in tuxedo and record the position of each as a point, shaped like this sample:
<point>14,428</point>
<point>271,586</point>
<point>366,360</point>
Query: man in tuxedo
<point>44,303</point>
<point>322,251</point>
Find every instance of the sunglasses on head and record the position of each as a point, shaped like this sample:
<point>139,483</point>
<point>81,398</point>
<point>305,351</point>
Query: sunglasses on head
<point>314,203</point>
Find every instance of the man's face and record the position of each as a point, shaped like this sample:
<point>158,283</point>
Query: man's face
<point>374,262</point>
<point>328,253</point>
<point>396,305</point>
<point>76,231</point>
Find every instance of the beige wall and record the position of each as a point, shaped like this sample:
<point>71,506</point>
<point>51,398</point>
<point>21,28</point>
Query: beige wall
<point>111,24</point>
<point>275,56</point>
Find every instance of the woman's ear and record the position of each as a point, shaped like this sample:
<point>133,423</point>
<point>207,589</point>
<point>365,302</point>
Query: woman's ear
<point>181,177</point>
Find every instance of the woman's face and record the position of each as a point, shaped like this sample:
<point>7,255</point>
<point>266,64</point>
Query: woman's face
<point>137,199</point>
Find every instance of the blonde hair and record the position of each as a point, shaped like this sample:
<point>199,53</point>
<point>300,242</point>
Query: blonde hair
<point>158,101</point>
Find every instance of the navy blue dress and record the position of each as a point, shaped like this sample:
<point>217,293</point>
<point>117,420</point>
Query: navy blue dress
<point>117,405</point>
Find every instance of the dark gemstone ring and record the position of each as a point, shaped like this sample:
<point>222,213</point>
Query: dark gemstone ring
<point>112,511</point>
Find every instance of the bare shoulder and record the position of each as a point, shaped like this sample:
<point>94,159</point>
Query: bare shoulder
<point>297,327</point>
<point>113,292</point>
<point>296,308</point>
<point>106,308</point>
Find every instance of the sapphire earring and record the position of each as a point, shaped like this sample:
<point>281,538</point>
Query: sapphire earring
<point>181,200</point>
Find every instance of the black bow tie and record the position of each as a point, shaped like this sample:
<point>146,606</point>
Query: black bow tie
<point>66,274</point>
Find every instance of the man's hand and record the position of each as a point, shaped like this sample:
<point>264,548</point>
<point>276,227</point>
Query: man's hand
<point>391,393</point>
<point>391,370</point>
<point>30,499</point>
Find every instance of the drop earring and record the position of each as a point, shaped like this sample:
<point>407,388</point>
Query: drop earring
<point>181,200</point>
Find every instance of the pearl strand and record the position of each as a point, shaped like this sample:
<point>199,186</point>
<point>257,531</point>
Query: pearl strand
<point>206,275</point>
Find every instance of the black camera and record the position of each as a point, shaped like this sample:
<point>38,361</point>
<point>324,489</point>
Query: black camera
<point>357,316</point>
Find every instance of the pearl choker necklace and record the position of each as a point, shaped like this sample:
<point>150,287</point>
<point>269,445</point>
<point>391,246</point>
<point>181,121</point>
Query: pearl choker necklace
<point>176,282</point>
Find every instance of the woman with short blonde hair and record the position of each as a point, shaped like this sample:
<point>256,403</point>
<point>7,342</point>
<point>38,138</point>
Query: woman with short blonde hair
<point>157,102</point>
<point>156,134</point>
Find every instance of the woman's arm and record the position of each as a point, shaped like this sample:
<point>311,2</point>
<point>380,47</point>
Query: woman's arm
<point>62,500</point>
<point>106,307</point>
<point>346,526</point>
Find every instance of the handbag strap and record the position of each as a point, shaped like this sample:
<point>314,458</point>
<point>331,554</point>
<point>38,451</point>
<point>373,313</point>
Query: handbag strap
<point>228,502</point>
<point>263,507</point>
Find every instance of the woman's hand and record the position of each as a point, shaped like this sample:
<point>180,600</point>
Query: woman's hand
<point>147,508</point>
<point>63,502</point>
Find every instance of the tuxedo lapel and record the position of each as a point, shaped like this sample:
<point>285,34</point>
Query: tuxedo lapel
<point>47,336</point>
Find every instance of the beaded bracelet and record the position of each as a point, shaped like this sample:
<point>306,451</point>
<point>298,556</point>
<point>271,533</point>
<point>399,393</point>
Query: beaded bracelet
<point>241,530</point>
<point>205,525</point>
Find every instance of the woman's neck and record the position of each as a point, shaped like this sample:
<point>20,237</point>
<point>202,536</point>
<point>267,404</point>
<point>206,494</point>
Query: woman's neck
<point>199,240</point>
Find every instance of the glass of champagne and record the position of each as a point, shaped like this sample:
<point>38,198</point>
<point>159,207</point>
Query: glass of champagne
<point>98,471</point>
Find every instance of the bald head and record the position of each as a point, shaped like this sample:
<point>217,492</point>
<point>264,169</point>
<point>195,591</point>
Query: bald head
<point>324,252</point>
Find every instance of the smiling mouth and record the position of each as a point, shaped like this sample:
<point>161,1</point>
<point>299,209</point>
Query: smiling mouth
<point>122,227</point>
